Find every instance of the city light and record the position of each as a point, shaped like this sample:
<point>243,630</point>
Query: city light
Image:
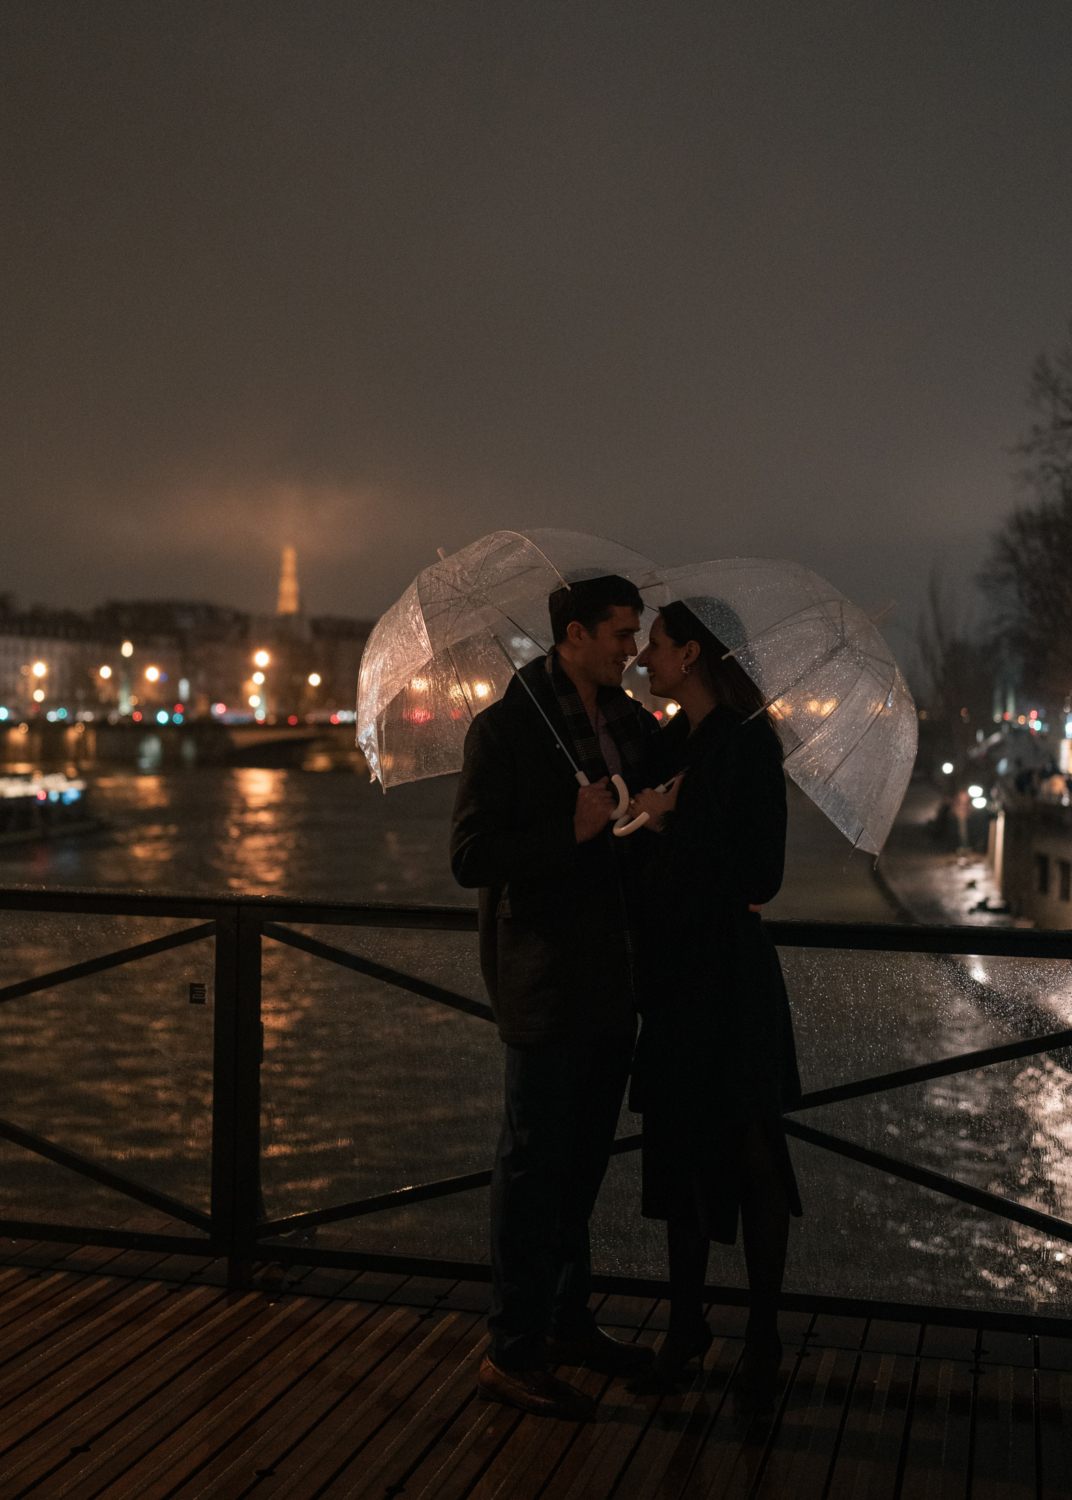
<point>947,767</point>
<point>105,672</point>
<point>261,659</point>
<point>219,708</point>
<point>254,701</point>
<point>314,679</point>
<point>162,716</point>
<point>671,710</point>
<point>979,802</point>
<point>39,696</point>
<point>258,677</point>
<point>127,648</point>
<point>39,669</point>
<point>975,791</point>
<point>152,674</point>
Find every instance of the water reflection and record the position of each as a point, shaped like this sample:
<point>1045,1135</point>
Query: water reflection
<point>367,1089</point>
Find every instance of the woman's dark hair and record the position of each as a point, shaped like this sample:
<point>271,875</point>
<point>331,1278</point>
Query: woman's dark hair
<point>723,674</point>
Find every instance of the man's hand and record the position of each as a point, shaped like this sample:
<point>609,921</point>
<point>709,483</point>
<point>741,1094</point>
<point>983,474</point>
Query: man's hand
<point>595,808</point>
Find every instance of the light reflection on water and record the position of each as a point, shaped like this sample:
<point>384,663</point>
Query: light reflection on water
<point>366,1089</point>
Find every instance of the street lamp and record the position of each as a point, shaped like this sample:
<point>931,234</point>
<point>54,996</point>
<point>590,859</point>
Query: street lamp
<point>261,658</point>
<point>314,679</point>
<point>127,648</point>
<point>39,669</point>
<point>105,672</point>
<point>152,674</point>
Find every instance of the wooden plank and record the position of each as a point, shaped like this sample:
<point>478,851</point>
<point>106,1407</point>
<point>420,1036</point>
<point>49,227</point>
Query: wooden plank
<point>535,1446</point>
<point>196,1434</point>
<point>802,1451</point>
<point>138,1433</point>
<point>737,1441</point>
<point>52,1345</point>
<point>1004,1456</point>
<point>465,1449</point>
<point>939,1438</point>
<point>656,1456</point>
<point>351,1426</point>
<point>264,1447</point>
<point>1055,1427</point>
<point>133,1384</point>
<point>396,1451</point>
<point>870,1446</point>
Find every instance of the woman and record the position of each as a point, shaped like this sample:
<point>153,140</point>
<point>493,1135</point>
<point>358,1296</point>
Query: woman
<point>715,1064</point>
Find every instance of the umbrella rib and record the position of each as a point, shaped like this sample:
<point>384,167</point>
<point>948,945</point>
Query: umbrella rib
<point>536,701</point>
<point>767,629</point>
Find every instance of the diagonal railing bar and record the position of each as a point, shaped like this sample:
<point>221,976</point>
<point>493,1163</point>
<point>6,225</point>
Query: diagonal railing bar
<point>40,1146</point>
<point>964,1062</point>
<point>400,1196</point>
<point>347,960</point>
<point>993,1203</point>
<point>107,961</point>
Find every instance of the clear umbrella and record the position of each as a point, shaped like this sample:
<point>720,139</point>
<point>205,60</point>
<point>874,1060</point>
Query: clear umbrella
<point>842,709</point>
<point>450,645</point>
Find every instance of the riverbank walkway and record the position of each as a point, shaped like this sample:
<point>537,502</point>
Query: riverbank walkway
<point>135,1375</point>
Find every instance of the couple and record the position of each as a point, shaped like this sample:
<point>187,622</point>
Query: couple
<point>578,931</point>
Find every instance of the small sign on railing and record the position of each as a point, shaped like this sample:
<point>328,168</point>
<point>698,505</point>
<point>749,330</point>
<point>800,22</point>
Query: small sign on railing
<point>197,995</point>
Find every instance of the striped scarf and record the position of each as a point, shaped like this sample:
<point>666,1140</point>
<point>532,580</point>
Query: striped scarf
<point>628,723</point>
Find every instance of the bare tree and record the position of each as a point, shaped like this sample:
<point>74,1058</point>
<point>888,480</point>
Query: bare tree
<point>961,672</point>
<point>1028,574</point>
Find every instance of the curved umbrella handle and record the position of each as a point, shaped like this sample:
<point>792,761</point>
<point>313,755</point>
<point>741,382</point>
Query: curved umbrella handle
<point>624,826</point>
<point>623,796</point>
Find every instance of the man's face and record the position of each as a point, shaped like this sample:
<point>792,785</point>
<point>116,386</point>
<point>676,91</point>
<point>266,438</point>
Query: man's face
<point>604,652</point>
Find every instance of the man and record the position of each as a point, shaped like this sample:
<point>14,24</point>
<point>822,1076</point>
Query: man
<point>555,902</point>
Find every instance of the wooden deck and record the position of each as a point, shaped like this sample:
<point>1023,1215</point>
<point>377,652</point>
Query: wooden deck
<point>137,1376</point>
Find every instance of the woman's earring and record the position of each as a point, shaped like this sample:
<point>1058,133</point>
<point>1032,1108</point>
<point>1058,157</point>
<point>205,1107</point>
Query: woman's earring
<point>686,669</point>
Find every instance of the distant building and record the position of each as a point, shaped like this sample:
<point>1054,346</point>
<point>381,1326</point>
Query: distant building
<point>143,658</point>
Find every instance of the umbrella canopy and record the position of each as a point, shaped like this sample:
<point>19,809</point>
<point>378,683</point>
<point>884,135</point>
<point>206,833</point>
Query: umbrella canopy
<point>841,707</point>
<point>449,646</point>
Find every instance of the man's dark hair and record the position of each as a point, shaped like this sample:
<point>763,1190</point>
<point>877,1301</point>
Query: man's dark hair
<point>590,602</point>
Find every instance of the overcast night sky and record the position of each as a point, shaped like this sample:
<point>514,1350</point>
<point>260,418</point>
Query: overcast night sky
<point>376,278</point>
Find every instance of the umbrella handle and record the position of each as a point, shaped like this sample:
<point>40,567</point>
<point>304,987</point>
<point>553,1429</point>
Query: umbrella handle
<point>623,796</point>
<point>624,826</point>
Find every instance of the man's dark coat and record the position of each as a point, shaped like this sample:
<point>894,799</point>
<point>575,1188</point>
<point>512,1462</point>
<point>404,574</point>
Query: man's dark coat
<point>553,913</point>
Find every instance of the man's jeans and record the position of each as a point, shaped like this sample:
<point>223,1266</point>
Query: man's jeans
<point>562,1104</point>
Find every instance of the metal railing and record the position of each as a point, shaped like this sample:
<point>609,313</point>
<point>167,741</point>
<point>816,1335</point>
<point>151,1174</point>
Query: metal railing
<point>237,1228</point>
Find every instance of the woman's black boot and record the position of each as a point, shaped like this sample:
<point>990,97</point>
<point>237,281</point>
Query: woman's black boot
<point>670,1367</point>
<point>757,1377</point>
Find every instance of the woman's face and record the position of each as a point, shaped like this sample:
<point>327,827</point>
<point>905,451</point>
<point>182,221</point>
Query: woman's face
<point>664,661</point>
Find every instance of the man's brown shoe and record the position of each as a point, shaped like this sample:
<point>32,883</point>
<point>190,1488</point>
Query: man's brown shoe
<point>535,1391</point>
<point>598,1351</point>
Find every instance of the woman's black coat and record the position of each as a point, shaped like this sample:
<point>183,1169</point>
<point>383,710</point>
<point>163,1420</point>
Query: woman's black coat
<point>716,1050</point>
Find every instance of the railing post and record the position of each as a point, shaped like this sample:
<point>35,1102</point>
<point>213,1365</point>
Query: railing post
<point>236,1091</point>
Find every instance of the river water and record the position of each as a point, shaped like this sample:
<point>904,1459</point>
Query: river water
<point>366,1088</point>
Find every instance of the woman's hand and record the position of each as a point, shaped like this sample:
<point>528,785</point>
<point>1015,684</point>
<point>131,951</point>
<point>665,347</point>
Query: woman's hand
<point>655,804</point>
